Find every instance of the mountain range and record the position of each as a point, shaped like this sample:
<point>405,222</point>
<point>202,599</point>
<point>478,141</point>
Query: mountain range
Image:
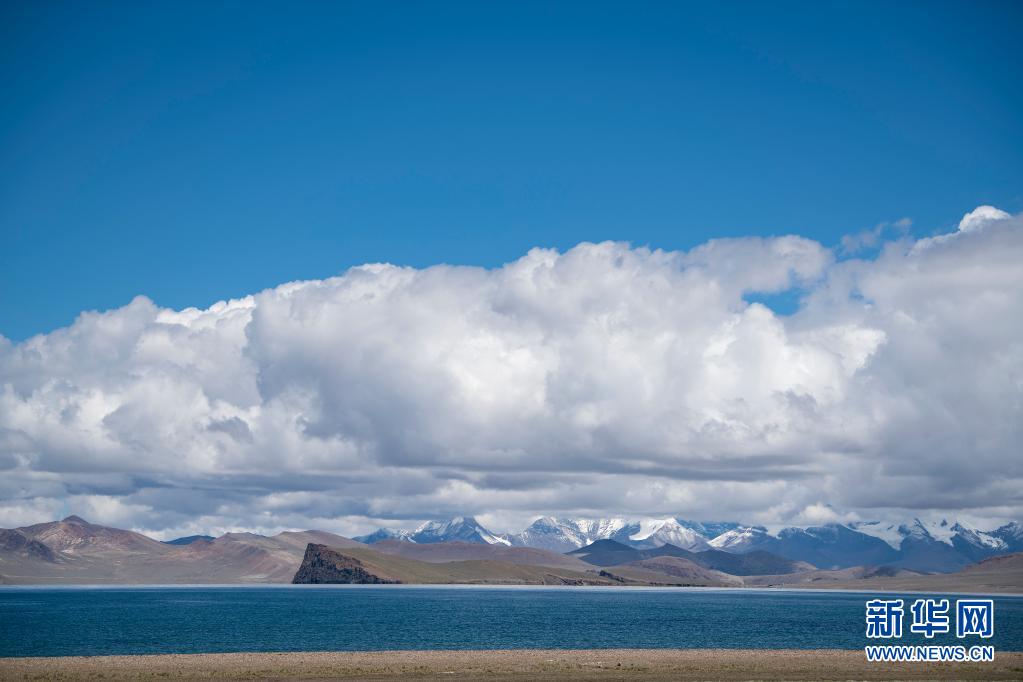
<point>559,535</point>
<point>930,547</point>
<point>655,551</point>
<point>610,563</point>
<point>458,529</point>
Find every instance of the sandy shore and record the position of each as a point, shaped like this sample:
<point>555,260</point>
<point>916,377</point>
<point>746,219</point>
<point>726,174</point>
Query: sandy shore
<point>616,664</point>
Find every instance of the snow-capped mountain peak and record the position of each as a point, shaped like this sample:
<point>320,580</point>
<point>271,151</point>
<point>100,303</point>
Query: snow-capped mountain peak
<point>1011,531</point>
<point>919,543</point>
<point>889,532</point>
<point>561,534</point>
<point>1011,535</point>
<point>943,531</point>
<point>384,534</point>
<point>457,529</point>
<point>739,539</point>
<point>600,529</point>
<point>657,532</point>
<point>977,537</point>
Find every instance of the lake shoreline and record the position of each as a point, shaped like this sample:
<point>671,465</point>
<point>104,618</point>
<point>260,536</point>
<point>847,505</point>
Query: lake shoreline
<point>508,664</point>
<point>842,588</point>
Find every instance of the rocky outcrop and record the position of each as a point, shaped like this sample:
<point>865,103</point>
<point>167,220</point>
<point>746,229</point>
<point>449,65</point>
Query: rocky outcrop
<point>323,565</point>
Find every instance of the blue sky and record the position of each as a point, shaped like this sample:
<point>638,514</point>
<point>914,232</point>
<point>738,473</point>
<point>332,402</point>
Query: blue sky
<point>198,151</point>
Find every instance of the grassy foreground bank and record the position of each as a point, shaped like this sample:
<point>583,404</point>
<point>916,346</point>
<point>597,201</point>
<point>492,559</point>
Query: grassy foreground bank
<point>613,664</point>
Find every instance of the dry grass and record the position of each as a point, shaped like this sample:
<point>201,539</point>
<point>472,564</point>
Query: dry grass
<point>617,664</point>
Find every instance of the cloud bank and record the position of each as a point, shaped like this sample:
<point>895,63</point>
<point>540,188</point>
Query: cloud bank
<point>607,379</point>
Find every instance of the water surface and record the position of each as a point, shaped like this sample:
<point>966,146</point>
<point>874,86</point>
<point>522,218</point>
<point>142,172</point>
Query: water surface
<point>62,621</point>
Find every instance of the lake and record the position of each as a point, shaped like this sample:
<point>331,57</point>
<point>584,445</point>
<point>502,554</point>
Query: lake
<point>63,621</point>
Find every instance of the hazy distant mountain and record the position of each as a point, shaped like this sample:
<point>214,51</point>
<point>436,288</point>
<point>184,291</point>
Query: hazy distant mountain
<point>830,546</point>
<point>612,553</point>
<point>188,539</point>
<point>939,546</point>
<point>609,553</point>
<point>757,562</point>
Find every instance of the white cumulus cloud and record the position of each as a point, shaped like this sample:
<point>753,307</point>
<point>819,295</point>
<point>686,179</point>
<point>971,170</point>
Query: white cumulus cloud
<point>603,379</point>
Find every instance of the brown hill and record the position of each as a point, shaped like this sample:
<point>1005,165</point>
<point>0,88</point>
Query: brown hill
<point>301,538</point>
<point>75,535</point>
<point>442,552</point>
<point>323,564</point>
<point>825,577</point>
<point>1010,565</point>
<point>1001,574</point>
<point>74,551</point>
<point>669,570</point>
<point>19,545</point>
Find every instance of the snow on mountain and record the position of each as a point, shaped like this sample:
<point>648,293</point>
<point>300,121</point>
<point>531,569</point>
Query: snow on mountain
<point>927,545</point>
<point>952,533</point>
<point>384,534</point>
<point>740,539</point>
<point>1011,534</point>
<point>601,529</point>
<point>939,531</point>
<point>947,532</point>
<point>889,532</point>
<point>832,545</point>
<point>977,538</point>
<point>552,533</point>
<point>460,528</point>
<point>562,535</point>
<point>711,529</point>
<point>658,532</point>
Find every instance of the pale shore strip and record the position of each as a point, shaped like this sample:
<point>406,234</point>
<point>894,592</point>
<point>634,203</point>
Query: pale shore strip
<point>605,664</point>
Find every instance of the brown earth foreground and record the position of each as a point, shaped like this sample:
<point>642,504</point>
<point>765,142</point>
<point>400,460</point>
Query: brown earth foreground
<point>614,664</point>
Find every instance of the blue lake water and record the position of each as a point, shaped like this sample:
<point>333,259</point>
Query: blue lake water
<point>49,621</point>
